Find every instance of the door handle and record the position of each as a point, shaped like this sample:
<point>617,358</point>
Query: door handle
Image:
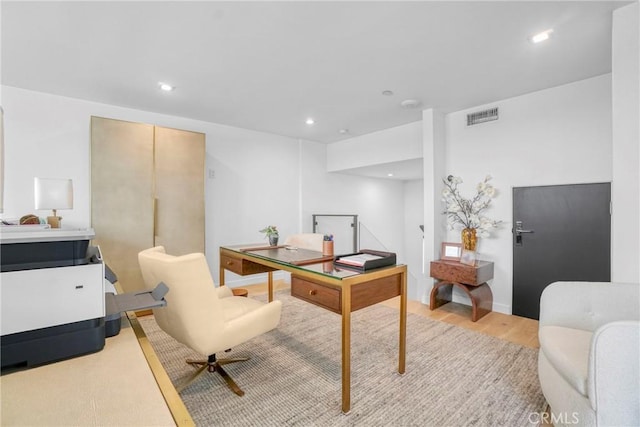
<point>519,230</point>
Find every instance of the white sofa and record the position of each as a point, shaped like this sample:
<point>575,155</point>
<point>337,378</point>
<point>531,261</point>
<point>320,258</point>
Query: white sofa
<point>589,359</point>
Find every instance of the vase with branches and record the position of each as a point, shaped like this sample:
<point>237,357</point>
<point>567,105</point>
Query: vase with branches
<point>467,212</point>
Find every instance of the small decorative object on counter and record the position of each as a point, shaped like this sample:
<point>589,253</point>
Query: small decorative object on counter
<point>29,219</point>
<point>271,232</point>
<point>327,244</point>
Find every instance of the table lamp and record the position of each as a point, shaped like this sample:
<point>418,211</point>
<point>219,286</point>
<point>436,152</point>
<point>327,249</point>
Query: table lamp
<point>51,193</point>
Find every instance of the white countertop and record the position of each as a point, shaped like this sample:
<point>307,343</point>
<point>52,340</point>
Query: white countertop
<point>35,233</point>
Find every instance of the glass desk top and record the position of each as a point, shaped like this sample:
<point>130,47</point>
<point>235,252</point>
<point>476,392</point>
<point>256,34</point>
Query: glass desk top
<point>297,258</point>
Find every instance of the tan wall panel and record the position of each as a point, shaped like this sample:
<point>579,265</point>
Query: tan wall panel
<point>122,195</point>
<point>179,169</point>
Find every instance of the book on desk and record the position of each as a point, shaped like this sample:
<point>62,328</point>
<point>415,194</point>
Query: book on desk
<point>365,260</point>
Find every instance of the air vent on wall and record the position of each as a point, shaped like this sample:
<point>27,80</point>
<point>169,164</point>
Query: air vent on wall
<point>482,116</point>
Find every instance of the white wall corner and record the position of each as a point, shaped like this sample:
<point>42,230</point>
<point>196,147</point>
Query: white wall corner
<point>433,139</point>
<point>395,144</point>
<point>625,188</point>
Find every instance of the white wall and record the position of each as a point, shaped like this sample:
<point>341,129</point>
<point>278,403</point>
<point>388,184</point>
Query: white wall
<point>260,179</point>
<point>563,133</point>
<point>379,203</point>
<point>560,135</point>
<point>434,164</point>
<point>386,146</point>
<point>625,191</point>
<point>413,238</point>
<point>49,136</point>
<point>403,202</point>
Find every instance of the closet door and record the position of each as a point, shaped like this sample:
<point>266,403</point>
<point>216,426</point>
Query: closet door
<point>122,195</point>
<point>179,190</point>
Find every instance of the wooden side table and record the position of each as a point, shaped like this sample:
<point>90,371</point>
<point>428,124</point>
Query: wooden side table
<point>471,279</point>
<point>240,292</point>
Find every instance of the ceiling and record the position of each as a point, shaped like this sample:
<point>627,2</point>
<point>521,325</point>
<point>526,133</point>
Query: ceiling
<point>267,66</point>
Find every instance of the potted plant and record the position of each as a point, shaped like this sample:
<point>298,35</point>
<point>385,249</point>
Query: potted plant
<point>271,232</point>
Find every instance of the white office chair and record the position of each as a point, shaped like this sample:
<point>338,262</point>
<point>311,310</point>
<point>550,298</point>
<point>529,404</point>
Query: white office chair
<point>310,241</point>
<point>201,316</point>
<point>589,359</point>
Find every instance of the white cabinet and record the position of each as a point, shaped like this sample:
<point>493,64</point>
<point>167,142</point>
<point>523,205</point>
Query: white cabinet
<point>34,299</point>
<point>52,301</point>
<point>147,189</point>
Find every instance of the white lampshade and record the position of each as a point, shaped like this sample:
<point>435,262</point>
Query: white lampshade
<point>52,193</point>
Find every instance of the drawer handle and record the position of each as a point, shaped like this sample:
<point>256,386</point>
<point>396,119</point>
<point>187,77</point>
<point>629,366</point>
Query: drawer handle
<point>312,292</point>
<point>229,262</point>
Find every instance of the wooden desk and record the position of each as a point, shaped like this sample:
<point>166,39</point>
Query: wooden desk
<point>471,279</point>
<point>338,290</point>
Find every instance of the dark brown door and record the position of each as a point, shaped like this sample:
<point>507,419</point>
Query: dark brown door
<point>560,232</point>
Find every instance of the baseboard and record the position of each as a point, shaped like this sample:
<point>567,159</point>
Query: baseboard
<point>497,307</point>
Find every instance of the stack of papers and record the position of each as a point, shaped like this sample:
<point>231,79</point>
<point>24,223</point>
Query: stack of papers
<point>358,260</point>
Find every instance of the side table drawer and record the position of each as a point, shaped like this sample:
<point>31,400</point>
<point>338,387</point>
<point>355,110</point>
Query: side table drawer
<point>242,267</point>
<point>461,273</point>
<point>317,294</point>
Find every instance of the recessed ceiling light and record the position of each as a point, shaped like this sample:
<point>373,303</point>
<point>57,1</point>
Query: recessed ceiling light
<point>387,92</point>
<point>540,37</point>
<point>410,103</point>
<point>343,131</point>
<point>165,87</point>
<point>310,121</point>
<point>389,174</point>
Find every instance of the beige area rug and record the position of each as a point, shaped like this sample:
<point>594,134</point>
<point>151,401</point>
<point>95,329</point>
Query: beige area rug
<point>454,377</point>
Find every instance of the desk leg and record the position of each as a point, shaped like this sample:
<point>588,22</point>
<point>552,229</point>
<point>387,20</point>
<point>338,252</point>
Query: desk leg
<point>440,294</point>
<point>270,284</point>
<point>221,276</point>
<point>346,349</point>
<point>403,323</point>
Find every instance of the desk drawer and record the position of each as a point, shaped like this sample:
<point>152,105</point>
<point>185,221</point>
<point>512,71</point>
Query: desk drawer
<point>317,294</point>
<point>242,267</point>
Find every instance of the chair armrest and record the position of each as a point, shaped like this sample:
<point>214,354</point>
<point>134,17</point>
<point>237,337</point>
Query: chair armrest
<point>254,323</point>
<point>224,292</point>
<point>614,374</point>
<point>589,305</point>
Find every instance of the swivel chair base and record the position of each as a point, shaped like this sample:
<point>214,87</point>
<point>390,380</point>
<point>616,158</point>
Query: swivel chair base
<point>213,365</point>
